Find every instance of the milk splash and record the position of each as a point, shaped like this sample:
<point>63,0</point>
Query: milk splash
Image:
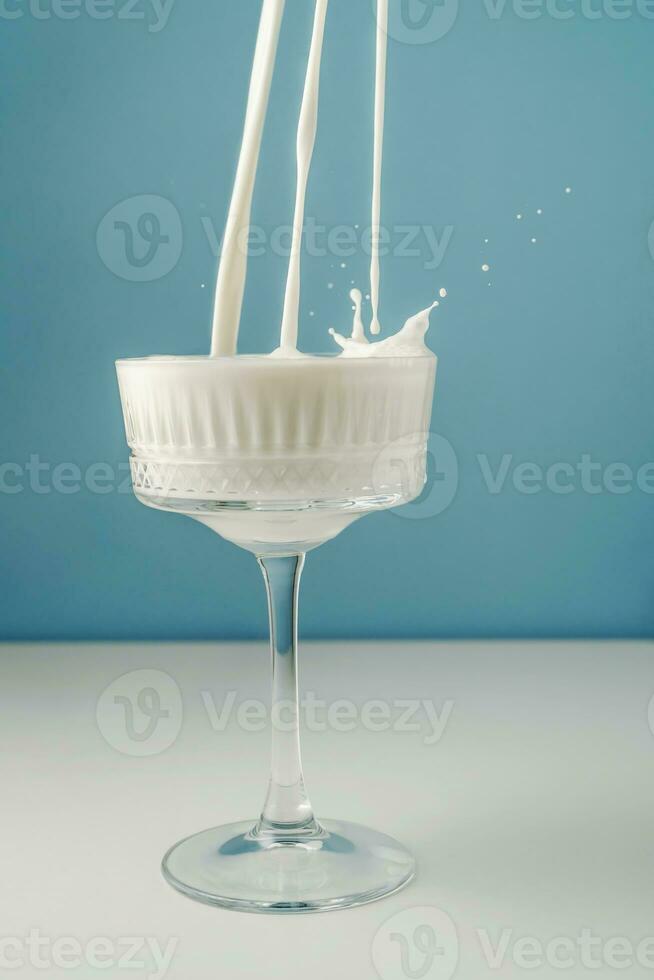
<point>407,342</point>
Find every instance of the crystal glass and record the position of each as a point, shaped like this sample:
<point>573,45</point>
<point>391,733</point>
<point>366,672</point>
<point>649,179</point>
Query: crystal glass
<point>279,455</point>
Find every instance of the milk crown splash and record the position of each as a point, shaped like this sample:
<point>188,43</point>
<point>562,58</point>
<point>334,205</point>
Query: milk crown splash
<point>407,342</point>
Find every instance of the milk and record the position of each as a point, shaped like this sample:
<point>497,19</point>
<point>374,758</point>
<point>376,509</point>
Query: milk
<point>230,286</point>
<point>306,139</point>
<point>269,430</point>
<point>380,112</point>
<point>233,266</point>
<point>288,445</point>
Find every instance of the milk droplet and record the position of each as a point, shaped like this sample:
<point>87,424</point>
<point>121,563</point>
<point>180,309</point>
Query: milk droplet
<point>519,217</point>
<point>442,293</point>
<point>312,313</point>
<point>330,285</point>
<point>540,211</point>
<point>343,265</point>
<point>485,241</point>
<point>203,285</point>
<point>485,267</point>
<point>568,190</point>
<point>533,241</point>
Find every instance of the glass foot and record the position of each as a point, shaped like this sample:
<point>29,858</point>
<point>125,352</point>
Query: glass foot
<point>345,864</point>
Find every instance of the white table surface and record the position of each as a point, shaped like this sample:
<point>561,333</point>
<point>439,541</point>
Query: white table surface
<point>532,817</point>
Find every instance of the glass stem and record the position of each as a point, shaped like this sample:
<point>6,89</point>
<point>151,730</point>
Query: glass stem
<point>287,809</point>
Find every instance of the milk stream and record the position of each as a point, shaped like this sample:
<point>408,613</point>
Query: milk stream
<point>409,341</point>
<point>380,113</point>
<point>232,271</point>
<point>306,139</point>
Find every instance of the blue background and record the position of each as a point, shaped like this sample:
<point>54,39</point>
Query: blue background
<point>553,361</point>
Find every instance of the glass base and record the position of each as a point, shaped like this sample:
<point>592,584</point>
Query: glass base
<point>345,864</point>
